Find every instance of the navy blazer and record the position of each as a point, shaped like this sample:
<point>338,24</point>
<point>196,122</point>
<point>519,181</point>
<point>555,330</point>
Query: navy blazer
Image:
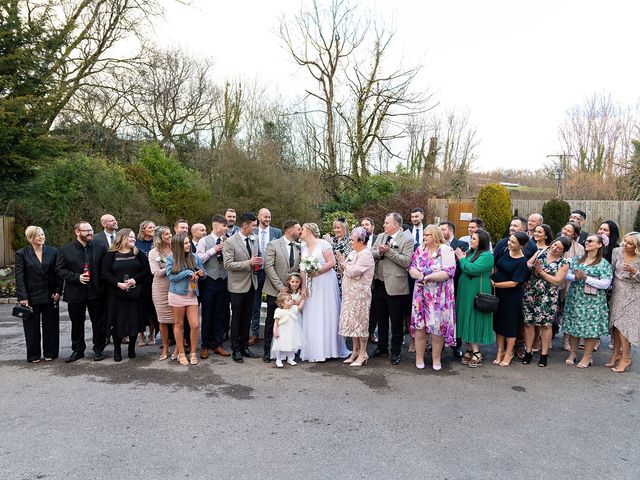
<point>36,281</point>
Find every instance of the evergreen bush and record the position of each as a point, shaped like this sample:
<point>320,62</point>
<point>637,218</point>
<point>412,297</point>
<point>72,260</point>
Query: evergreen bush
<point>556,214</point>
<point>494,207</point>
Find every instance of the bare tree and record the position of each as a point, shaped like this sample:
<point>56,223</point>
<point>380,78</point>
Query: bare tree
<point>322,41</point>
<point>228,112</point>
<point>92,30</point>
<point>598,134</point>
<point>171,98</point>
<point>379,104</point>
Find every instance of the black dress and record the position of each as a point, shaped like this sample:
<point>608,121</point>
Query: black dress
<point>121,315</point>
<point>507,268</point>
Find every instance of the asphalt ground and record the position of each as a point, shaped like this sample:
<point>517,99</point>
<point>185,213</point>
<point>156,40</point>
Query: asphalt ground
<point>145,418</point>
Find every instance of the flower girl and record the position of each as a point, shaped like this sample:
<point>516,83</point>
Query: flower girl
<point>287,335</point>
<point>294,286</point>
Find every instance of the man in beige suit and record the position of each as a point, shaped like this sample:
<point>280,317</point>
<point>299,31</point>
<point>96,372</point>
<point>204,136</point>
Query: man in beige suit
<point>282,258</point>
<point>240,257</point>
<point>392,251</point>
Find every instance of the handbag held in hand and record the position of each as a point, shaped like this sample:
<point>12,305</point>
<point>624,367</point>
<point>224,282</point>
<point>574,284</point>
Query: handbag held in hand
<point>486,302</point>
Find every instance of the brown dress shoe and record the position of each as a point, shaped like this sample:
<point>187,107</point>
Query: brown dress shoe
<point>253,339</point>
<point>221,351</point>
<point>204,353</point>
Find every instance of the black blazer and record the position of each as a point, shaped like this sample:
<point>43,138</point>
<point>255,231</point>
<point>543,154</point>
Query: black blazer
<point>35,281</point>
<point>101,238</point>
<point>71,260</point>
<point>455,243</point>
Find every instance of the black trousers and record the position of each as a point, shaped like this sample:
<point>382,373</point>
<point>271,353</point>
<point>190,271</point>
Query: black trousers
<point>242,308</point>
<point>268,323</point>
<point>48,313</point>
<point>77,315</point>
<point>394,308</point>
<point>215,305</point>
<point>373,322</point>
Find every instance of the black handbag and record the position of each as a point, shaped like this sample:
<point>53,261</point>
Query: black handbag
<point>486,302</point>
<point>22,311</point>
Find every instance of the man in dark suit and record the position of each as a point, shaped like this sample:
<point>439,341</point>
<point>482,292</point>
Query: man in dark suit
<point>580,217</point>
<point>282,258</point>
<point>368,224</point>
<point>108,233</point>
<point>518,224</point>
<point>448,230</point>
<point>392,252</point>
<point>240,256</point>
<point>215,294</point>
<point>265,233</point>
<point>78,265</point>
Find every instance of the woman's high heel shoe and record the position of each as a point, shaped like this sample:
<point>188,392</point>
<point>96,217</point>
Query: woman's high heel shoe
<point>182,359</point>
<point>506,361</point>
<point>614,359</point>
<point>359,363</point>
<point>584,365</point>
<point>624,364</point>
<point>194,359</point>
<point>351,359</point>
<point>528,356</point>
<point>543,360</point>
<point>499,356</point>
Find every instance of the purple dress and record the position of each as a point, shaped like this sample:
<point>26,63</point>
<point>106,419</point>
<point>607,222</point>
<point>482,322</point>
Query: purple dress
<point>433,308</point>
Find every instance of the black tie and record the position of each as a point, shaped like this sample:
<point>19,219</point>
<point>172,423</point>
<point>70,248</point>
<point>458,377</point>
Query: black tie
<point>291,259</point>
<point>387,241</point>
<point>246,240</point>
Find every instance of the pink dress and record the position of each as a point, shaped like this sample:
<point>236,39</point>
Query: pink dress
<point>433,308</point>
<point>160,287</point>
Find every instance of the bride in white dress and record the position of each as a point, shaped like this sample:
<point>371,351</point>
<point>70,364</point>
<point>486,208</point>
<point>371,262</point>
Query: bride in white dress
<point>321,318</point>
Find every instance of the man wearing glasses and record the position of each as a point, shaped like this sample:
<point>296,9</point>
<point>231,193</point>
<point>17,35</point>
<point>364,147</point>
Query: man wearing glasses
<point>79,266</point>
<point>580,217</point>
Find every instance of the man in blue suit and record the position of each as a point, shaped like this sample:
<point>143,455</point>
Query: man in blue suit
<point>264,233</point>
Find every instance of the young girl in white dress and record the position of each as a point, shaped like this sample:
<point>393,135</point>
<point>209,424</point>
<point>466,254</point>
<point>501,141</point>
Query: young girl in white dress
<point>294,285</point>
<point>287,334</point>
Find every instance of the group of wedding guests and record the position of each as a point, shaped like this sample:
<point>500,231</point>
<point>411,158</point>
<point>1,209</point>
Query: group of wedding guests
<point>320,291</point>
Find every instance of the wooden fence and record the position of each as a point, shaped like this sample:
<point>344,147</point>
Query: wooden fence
<point>6,237</point>
<point>621,212</point>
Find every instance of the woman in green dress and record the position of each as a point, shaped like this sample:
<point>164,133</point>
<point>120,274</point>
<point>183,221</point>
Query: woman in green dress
<point>586,313</point>
<point>473,326</point>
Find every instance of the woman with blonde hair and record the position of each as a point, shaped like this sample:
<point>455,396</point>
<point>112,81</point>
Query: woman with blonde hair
<point>38,287</point>
<point>624,305</point>
<point>148,318</point>
<point>433,309</point>
<point>160,285</point>
<point>124,270</point>
<point>184,269</point>
<point>320,338</point>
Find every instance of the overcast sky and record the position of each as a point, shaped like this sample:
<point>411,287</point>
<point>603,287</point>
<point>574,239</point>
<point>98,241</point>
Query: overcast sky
<point>516,67</point>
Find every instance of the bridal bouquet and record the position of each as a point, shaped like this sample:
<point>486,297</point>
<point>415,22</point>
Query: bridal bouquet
<point>309,265</point>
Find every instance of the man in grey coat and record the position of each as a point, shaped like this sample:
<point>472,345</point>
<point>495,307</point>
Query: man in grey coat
<point>282,258</point>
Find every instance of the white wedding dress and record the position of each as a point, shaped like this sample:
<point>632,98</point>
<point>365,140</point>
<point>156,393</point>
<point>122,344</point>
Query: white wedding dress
<point>321,313</point>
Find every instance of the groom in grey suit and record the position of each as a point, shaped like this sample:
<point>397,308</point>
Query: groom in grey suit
<point>282,258</point>
<point>392,252</point>
<point>240,254</point>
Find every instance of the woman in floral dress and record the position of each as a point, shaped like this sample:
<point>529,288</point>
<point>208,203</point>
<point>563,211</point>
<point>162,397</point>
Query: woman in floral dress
<point>357,274</point>
<point>433,308</point>
<point>541,295</point>
<point>340,244</point>
<point>625,301</point>
<point>586,314</point>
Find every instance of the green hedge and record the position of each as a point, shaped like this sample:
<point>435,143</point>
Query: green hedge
<point>494,207</point>
<point>556,213</point>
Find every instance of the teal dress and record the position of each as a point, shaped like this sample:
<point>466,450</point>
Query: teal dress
<point>474,326</point>
<point>587,316</point>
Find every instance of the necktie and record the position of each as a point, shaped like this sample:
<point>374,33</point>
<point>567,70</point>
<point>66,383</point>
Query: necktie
<point>291,259</point>
<point>112,236</point>
<point>246,241</point>
<point>387,241</point>
<point>417,235</point>
<point>263,243</point>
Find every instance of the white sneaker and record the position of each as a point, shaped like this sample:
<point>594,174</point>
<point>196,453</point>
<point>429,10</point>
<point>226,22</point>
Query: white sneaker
<point>279,363</point>
<point>292,362</point>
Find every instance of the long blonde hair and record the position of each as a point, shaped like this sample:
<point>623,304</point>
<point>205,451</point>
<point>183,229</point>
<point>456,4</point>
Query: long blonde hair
<point>121,239</point>
<point>157,237</point>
